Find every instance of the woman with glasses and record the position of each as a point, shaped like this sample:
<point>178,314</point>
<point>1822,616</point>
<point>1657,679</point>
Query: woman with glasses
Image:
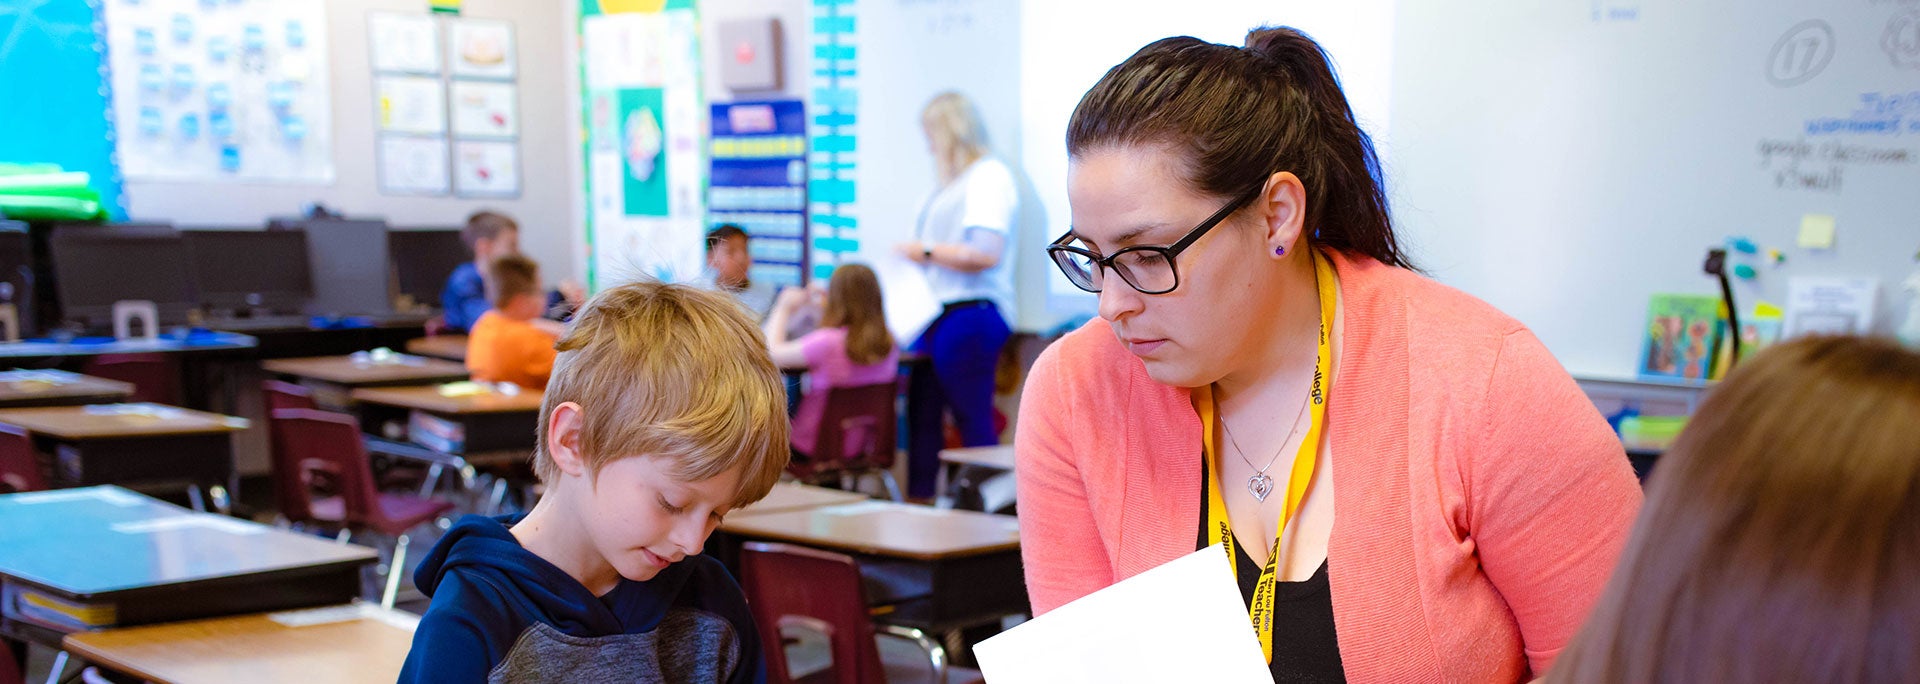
<point>1405,483</point>
<point>964,242</point>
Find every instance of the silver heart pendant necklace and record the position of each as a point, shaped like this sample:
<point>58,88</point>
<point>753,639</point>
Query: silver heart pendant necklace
<point>1260,485</point>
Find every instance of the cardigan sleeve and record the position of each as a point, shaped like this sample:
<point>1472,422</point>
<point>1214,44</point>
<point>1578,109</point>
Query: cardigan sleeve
<point>1552,497</point>
<point>1063,554</point>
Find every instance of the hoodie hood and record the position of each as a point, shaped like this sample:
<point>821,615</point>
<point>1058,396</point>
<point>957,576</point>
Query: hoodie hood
<point>483,552</point>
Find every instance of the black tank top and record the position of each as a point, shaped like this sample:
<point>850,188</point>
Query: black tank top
<point>1304,645</point>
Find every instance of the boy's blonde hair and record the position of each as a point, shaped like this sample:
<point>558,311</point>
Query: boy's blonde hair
<point>509,276</point>
<point>676,373</point>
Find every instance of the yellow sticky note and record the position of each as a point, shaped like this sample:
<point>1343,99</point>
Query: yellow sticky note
<point>1816,231</point>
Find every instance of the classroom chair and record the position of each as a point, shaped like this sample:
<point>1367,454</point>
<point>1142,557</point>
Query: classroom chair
<point>791,586</point>
<point>286,395</point>
<point>861,416</point>
<point>310,443</point>
<point>19,464</point>
<point>155,377</point>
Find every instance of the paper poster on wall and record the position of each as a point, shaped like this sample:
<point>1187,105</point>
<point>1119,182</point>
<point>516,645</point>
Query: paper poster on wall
<point>486,168</point>
<point>480,48</point>
<point>642,152</point>
<point>237,90</point>
<point>411,104</point>
<point>403,43</point>
<point>485,109</point>
<point>646,144</point>
<point>412,166</point>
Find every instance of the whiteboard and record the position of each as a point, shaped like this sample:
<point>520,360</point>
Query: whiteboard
<point>1564,161</point>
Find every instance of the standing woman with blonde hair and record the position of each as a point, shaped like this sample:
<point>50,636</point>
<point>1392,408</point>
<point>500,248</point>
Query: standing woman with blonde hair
<point>965,241</point>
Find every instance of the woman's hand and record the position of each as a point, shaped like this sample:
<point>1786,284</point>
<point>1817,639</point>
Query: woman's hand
<point>790,300</point>
<point>914,250</point>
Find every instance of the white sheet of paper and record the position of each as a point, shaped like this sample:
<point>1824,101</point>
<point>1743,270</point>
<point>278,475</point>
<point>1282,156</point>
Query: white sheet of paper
<point>1180,622</point>
<point>909,299</point>
<point>1830,306</point>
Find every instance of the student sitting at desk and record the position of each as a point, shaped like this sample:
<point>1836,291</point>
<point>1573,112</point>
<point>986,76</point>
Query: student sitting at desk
<point>729,266</point>
<point>664,413</point>
<point>1781,533</point>
<point>511,343</point>
<point>491,234</point>
<point>851,348</point>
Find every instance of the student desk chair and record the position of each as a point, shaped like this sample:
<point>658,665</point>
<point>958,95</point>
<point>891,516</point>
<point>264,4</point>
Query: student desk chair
<point>135,444</point>
<point>332,645</point>
<point>936,570</point>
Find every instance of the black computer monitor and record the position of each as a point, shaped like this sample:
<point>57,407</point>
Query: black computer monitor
<point>423,259</point>
<point>95,266</point>
<point>350,266</point>
<point>248,270</point>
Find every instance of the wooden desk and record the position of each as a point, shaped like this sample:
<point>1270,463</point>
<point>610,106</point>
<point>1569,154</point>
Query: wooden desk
<point>346,371</point>
<point>369,647</point>
<point>793,496</point>
<point>935,569</point>
<point>449,347</point>
<point>132,443</point>
<point>152,561</point>
<point>431,398</point>
<point>23,388</point>
<point>487,421</point>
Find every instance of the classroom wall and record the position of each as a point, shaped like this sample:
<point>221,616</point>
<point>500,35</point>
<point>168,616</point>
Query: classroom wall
<point>550,178</point>
<point>796,39</point>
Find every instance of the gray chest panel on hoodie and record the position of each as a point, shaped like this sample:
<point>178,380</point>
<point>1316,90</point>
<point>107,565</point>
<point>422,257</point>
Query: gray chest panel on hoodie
<point>688,646</point>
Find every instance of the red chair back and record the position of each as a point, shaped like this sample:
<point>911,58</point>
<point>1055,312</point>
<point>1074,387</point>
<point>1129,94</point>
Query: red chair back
<point>155,377</point>
<point>789,585</point>
<point>856,429</point>
<point>308,442</point>
<point>19,464</point>
<point>286,395</point>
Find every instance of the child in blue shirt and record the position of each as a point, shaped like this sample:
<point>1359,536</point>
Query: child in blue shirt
<point>664,412</point>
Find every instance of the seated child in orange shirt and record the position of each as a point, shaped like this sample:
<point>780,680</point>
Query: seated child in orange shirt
<point>508,343</point>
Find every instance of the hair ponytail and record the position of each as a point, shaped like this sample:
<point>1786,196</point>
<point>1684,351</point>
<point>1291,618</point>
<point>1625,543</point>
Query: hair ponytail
<point>1241,114</point>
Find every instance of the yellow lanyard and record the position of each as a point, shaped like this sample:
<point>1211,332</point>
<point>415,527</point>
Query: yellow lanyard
<point>1260,612</point>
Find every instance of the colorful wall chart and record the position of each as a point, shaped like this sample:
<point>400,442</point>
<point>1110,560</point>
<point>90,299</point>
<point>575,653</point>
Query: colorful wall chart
<point>234,90</point>
<point>51,56</point>
<point>646,150</point>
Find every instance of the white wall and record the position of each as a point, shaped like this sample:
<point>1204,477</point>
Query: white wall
<point>549,148</point>
<point>796,40</point>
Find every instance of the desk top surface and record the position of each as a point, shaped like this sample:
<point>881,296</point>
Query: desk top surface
<point>353,643</point>
<point>792,496</point>
<point>351,371</point>
<point>449,347</point>
<point>883,528</point>
<point>998,456</point>
<point>431,398</point>
<point>100,540</point>
<point>95,346</point>
<point>116,421</point>
<point>23,387</point>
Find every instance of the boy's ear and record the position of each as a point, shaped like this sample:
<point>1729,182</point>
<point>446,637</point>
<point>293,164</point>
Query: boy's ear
<point>564,427</point>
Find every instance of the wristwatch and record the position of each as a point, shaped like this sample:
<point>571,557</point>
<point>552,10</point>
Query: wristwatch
<point>926,252</point>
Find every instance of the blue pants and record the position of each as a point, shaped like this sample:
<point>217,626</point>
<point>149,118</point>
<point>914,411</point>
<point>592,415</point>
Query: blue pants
<point>963,350</point>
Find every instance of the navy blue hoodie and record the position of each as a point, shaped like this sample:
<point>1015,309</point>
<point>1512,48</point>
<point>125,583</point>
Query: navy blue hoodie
<point>501,613</point>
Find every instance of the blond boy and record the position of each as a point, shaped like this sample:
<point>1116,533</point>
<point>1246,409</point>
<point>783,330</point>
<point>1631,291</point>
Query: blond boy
<point>664,413</point>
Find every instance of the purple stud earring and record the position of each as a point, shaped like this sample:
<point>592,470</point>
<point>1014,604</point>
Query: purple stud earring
<point>1280,251</point>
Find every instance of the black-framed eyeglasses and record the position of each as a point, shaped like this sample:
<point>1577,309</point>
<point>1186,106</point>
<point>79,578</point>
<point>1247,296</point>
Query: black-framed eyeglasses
<point>1147,268</point>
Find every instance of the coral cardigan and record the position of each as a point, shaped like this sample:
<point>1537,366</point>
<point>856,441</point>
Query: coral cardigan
<point>1480,500</point>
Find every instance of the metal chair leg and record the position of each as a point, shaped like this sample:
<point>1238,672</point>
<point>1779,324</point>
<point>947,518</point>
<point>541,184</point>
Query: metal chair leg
<point>936,653</point>
<point>58,672</point>
<point>432,480</point>
<point>221,501</point>
<point>499,496</point>
<point>344,536</point>
<point>893,486</point>
<point>194,498</point>
<point>395,568</point>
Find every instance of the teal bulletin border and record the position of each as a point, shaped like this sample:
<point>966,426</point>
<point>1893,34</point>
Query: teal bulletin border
<point>833,137</point>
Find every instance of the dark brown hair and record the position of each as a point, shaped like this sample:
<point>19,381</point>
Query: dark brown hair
<point>1780,541</point>
<point>1239,115</point>
<point>723,233</point>
<point>509,276</point>
<point>486,225</point>
<point>853,302</point>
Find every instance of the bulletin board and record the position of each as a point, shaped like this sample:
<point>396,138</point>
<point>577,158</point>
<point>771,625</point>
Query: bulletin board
<point>646,143</point>
<point>231,90</point>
